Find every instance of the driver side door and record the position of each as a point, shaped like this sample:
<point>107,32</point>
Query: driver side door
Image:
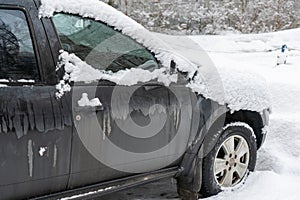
<point>133,130</point>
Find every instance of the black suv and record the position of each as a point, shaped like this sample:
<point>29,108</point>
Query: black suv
<point>62,136</point>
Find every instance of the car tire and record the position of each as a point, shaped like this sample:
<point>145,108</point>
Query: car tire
<point>230,160</point>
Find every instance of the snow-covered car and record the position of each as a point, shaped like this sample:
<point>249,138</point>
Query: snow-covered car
<point>92,103</point>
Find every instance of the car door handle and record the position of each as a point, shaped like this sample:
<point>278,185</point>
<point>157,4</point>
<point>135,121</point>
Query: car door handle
<point>98,108</point>
<point>151,87</point>
<point>89,109</point>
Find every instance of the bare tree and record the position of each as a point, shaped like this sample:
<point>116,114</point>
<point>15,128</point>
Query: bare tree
<point>212,16</point>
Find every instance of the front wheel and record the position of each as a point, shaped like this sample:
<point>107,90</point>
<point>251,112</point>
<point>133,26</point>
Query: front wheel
<point>230,160</point>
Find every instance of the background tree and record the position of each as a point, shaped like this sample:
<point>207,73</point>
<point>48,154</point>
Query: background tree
<point>212,16</point>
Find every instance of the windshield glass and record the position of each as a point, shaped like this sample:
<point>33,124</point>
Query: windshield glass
<point>100,45</point>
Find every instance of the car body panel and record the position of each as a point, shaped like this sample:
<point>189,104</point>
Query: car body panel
<point>36,128</point>
<point>35,141</point>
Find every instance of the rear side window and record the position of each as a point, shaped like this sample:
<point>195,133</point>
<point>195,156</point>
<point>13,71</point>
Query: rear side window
<point>17,56</point>
<point>100,45</point>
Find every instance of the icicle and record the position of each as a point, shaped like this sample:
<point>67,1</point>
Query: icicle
<point>4,126</point>
<point>108,124</point>
<point>10,122</point>
<point>17,125</point>
<point>55,156</point>
<point>25,124</point>
<point>30,114</point>
<point>177,118</point>
<point>104,126</point>
<point>30,157</point>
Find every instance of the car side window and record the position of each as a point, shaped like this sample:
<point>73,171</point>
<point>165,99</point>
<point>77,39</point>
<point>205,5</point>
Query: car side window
<point>17,56</point>
<point>100,45</point>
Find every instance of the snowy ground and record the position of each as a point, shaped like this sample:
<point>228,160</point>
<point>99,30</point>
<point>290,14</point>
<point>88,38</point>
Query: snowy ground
<point>277,174</point>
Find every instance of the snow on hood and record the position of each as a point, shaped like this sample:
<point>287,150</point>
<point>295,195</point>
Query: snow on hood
<point>237,90</point>
<point>245,91</point>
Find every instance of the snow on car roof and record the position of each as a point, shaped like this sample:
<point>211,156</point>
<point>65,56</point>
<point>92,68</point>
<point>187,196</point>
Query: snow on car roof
<point>237,93</point>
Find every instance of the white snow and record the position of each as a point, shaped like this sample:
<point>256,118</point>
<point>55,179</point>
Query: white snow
<point>84,101</point>
<point>243,124</point>
<point>88,193</point>
<point>264,186</point>
<point>282,58</point>
<point>25,81</point>
<point>278,165</point>
<point>242,90</point>
<point>235,87</point>
<point>79,71</point>
<point>3,81</point>
<point>42,151</point>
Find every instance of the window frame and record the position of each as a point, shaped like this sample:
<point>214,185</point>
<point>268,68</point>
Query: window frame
<point>40,79</point>
<point>159,64</point>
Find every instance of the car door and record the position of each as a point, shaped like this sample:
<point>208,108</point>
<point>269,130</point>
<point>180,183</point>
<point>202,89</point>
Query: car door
<point>35,127</point>
<point>132,126</point>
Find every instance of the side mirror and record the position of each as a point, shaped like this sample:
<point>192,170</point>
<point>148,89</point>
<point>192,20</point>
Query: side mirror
<point>181,76</point>
<point>172,67</point>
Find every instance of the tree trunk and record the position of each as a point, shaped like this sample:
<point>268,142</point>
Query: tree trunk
<point>111,2</point>
<point>278,14</point>
<point>126,7</point>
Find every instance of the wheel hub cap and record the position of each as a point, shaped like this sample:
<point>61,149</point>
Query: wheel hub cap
<point>231,161</point>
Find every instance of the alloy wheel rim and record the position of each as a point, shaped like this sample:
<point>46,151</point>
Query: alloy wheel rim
<point>231,161</point>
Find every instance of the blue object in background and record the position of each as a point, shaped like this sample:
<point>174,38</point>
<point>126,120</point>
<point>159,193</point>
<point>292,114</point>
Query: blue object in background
<point>281,58</point>
<point>283,48</point>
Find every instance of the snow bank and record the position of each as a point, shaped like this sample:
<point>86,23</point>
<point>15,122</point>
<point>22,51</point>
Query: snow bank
<point>255,188</point>
<point>249,42</point>
<point>237,93</point>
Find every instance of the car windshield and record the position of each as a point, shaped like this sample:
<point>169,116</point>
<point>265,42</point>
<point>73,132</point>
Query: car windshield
<point>100,45</point>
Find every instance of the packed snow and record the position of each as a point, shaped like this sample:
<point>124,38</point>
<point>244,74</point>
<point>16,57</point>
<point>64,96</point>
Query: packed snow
<point>42,151</point>
<point>86,102</point>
